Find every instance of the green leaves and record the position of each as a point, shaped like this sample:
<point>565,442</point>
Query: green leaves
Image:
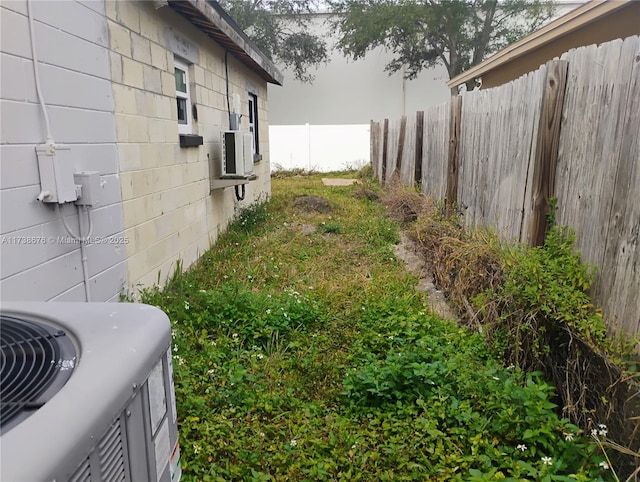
<point>281,30</point>
<point>456,33</point>
<point>552,283</point>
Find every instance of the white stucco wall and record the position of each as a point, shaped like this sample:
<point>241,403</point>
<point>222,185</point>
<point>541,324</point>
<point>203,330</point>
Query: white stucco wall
<point>72,41</point>
<point>353,92</point>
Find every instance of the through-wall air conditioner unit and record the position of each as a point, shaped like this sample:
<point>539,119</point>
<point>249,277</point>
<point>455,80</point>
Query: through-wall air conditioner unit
<point>87,394</point>
<point>237,154</point>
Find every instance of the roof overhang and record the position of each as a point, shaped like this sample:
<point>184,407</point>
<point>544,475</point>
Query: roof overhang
<point>573,20</point>
<point>210,18</point>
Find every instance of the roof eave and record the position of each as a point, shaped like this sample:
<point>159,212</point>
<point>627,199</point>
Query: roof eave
<point>211,19</point>
<point>563,25</point>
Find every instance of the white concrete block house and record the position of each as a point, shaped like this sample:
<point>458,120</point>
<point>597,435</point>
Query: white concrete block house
<point>139,91</point>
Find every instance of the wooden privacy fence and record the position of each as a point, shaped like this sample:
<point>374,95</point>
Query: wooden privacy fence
<point>569,130</point>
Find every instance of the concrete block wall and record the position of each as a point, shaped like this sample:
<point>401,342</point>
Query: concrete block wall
<point>38,260</point>
<point>169,212</point>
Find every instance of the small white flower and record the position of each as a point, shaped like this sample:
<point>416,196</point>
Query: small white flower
<point>180,360</point>
<point>521,447</point>
<point>547,460</point>
<point>293,443</point>
<point>186,305</point>
<point>568,436</point>
<point>234,336</point>
<point>604,465</point>
<point>261,434</point>
<point>196,448</point>
<point>269,311</point>
<point>390,337</point>
<point>594,432</point>
<point>260,356</point>
<point>210,372</point>
<point>602,430</point>
<point>175,348</point>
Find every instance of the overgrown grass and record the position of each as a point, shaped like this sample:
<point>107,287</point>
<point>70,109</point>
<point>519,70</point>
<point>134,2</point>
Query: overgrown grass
<point>533,308</point>
<point>303,352</point>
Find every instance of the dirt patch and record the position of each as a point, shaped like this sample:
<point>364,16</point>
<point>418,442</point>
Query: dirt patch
<point>363,192</point>
<point>308,229</point>
<point>313,203</point>
<point>408,252</point>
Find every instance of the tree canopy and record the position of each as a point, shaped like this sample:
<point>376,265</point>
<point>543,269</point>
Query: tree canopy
<point>422,33</point>
<point>281,30</point>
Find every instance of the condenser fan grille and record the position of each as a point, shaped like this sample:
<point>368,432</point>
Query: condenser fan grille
<point>36,361</point>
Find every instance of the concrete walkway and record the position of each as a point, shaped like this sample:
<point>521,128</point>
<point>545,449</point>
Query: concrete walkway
<point>327,181</point>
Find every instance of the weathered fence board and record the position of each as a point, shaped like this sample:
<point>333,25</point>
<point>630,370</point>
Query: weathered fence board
<point>453,156</point>
<point>393,146</point>
<point>435,148</point>
<point>417,171</point>
<point>385,148</point>
<point>598,172</point>
<point>496,143</point>
<point>505,166</point>
<point>408,158</point>
<point>546,152</point>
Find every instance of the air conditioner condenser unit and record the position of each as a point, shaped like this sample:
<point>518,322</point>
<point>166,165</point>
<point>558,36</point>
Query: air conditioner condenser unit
<point>87,393</point>
<point>237,154</point>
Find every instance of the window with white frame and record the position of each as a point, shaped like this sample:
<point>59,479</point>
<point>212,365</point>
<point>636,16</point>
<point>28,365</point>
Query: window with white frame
<point>253,124</point>
<point>182,97</point>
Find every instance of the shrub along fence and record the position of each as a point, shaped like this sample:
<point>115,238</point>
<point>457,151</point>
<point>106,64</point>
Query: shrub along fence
<point>570,131</point>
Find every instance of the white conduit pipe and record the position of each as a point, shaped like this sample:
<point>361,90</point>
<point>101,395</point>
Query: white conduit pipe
<point>50,142</point>
<point>83,252</point>
<point>36,72</point>
<point>83,242</point>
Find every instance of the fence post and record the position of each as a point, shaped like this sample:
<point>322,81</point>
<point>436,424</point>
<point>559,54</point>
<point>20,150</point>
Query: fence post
<point>546,156</point>
<point>417,175</point>
<point>373,148</point>
<point>385,142</point>
<point>401,135</point>
<point>451,194</point>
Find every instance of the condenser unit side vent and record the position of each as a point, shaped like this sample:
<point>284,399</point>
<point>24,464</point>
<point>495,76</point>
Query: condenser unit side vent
<point>82,473</point>
<point>110,455</point>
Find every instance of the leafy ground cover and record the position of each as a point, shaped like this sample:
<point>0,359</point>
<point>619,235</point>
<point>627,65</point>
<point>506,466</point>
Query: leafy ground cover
<point>302,351</point>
